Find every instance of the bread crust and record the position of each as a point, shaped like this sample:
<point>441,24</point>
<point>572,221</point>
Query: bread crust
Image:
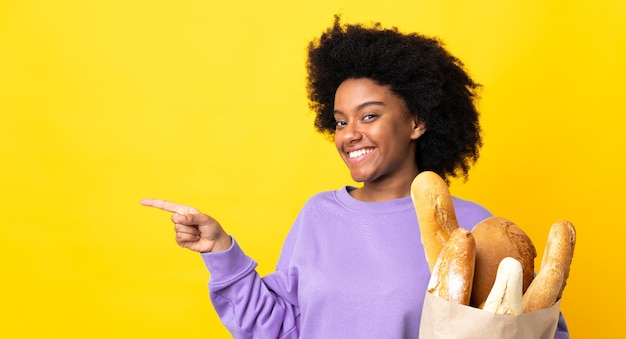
<point>497,238</point>
<point>547,287</point>
<point>435,213</point>
<point>453,272</point>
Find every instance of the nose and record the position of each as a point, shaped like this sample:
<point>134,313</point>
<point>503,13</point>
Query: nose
<point>349,133</point>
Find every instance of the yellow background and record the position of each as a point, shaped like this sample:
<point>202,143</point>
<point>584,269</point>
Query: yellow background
<point>106,102</point>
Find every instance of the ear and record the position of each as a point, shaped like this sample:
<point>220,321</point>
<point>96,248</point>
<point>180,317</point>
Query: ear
<point>418,129</point>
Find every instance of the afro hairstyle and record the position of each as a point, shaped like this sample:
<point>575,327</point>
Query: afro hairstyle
<point>432,82</point>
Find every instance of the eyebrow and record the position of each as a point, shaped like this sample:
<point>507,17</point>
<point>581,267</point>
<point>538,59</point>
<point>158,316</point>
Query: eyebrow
<point>364,105</point>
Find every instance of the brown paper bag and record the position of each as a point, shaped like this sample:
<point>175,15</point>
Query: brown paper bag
<point>442,319</point>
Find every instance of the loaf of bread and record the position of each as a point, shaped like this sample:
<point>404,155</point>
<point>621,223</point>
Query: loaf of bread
<point>435,213</point>
<point>453,272</point>
<point>497,238</point>
<point>547,287</point>
<point>493,266</point>
<point>505,296</point>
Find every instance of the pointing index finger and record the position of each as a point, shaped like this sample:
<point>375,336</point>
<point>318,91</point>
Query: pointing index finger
<point>168,206</point>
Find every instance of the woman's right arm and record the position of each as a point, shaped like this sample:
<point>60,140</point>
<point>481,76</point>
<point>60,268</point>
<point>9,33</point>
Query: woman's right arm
<point>250,307</point>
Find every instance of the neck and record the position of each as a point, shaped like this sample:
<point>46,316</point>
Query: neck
<point>382,191</point>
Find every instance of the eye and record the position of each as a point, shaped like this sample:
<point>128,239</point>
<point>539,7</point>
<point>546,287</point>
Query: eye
<point>340,123</point>
<point>369,117</point>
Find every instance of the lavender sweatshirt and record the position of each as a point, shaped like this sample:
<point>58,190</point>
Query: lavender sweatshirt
<point>348,269</point>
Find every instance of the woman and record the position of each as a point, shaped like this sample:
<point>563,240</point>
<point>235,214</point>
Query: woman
<point>352,265</point>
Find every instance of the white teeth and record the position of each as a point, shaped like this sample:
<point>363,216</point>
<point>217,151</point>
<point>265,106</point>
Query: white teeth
<point>359,153</point>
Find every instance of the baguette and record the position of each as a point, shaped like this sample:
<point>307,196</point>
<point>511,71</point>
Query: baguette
<point>547,287</point>
<point>497,238</point>
<point>435,213</point>
<point>452,275</point>
<point>506,294</point>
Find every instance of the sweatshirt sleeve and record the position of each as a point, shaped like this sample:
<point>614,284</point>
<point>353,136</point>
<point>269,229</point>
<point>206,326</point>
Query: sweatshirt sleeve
<point>247,305</point>
<point>561,329</point>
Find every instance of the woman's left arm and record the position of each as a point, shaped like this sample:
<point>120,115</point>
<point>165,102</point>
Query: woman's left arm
<point>561,329</point>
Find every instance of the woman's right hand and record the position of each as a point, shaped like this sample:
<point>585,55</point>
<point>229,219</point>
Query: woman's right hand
<point>194,230</point>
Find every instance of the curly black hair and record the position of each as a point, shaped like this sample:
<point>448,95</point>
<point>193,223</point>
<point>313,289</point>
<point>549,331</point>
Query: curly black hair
<point>432,82</point>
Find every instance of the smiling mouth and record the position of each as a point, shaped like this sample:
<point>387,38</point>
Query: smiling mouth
<point>361,152</point>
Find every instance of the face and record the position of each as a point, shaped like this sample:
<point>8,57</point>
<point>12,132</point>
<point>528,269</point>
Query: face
<point>375,135</point>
